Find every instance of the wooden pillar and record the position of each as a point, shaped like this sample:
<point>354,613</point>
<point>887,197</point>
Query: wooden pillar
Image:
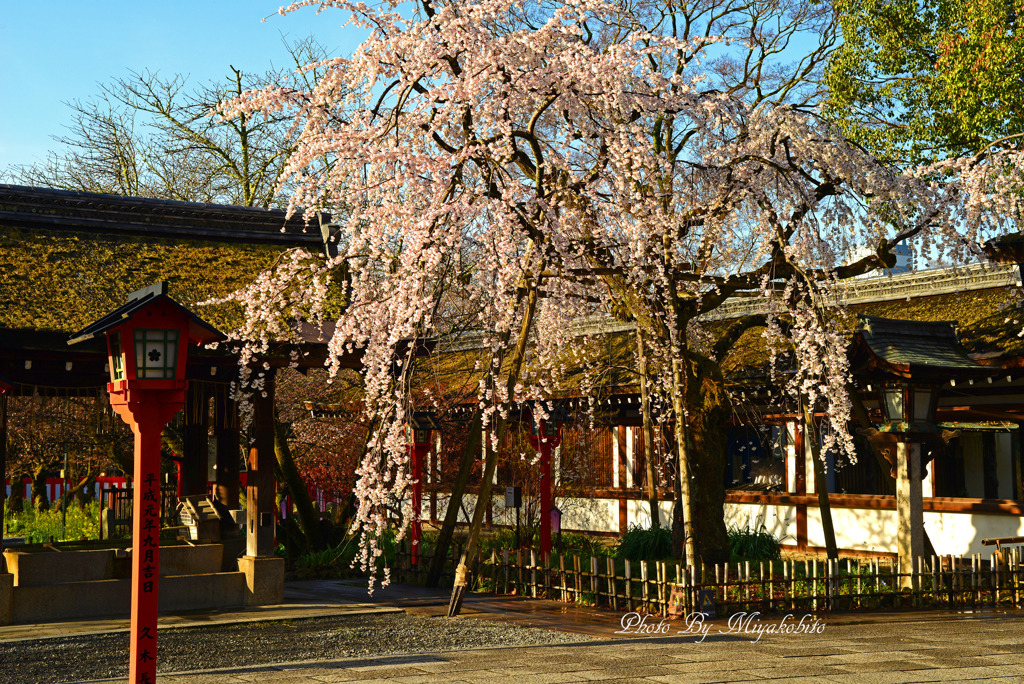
<point>225,430</point>
<point>145,549</point>
<point>801,486</point>
<point>545,497</point>
<point>147,411</point>
<point>433,478</point>
<point>418,446</point>
<point>259,491</point>
<point>6,579</point>
<point>909,508</point>
<point>3,474</point>
<point>195,462</point>
<point>619,454</point>
<point>1018,465</point>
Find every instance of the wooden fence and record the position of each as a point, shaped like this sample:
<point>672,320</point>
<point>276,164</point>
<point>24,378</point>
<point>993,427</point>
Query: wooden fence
<point>950,582</point>
<point>118,503</point>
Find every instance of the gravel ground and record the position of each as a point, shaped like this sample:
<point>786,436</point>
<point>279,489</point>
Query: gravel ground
<point>101,656</point>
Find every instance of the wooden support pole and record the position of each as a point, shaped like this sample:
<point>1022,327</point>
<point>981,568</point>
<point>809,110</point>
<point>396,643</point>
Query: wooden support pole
<point>195,461</point>
<point>147,412</point>
<point>145,551</point>
<point>3,473</point>
<point>910,510</point>
<point>545,496</point>
<point>226,436</point>
<point>259,490</point>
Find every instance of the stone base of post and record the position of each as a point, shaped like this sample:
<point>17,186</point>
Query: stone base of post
<point>264,579</point>
<point>6,597</point>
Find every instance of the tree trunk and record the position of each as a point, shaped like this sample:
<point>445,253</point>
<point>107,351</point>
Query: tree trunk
<point>451,514</point>
<point>309,521</point>
<point>490,449</point>
<point>648,431</point>
<point>708,409</point>
<point>39,499</point>
<point>820,484</point>
<point>16,501</point>
<point>461,584</point>
<point>682,515</point>
<point>75,491</point>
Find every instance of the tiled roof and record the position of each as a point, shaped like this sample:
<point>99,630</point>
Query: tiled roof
<point>86,212</point>
<point>915,344</point>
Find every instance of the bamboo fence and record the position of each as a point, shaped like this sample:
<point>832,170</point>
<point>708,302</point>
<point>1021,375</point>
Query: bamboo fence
<point>664,588</point>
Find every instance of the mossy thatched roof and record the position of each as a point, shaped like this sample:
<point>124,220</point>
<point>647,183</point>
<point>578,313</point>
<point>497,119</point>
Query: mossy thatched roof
<point>988,323</point>
<point>53,280</point>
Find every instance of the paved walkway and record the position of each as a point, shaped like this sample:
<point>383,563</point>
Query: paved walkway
<point>333,597</point>
<point>870,648</point>
<point>878,652</point>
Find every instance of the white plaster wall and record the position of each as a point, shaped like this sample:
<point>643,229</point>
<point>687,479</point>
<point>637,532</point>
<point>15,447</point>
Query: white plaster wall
<point>469,501</point>
<point>615,458</point>
<point>810,486</point>
<point>861,529</point>
<point>791,456</point>
<point>585,515</point>
<point>867,529</point>
<point>589,515</point>
<point>778,520</point>
<point>638,512</point>
<point>961,533</point>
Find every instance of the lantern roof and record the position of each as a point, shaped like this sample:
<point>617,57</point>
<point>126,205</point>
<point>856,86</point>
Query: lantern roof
<point>199,330</point>
<point>916,349</point>
<point>1006,249</point>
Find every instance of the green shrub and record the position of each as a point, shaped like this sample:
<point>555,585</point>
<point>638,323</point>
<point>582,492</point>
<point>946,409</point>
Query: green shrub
<point>581,544</point>
<point>328,563</point>
<point>568,543</point>
<point>753,545</point>
<point>41,526</point>
<point>336,561</point>
<point>500,540</point>
<point>645,543</point>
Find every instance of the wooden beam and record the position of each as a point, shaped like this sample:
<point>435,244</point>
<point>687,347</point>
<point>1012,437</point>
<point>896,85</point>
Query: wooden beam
<point>259,491</point>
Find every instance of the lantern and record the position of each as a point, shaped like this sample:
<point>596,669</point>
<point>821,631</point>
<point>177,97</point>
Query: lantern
<point>908,407</point>
<point>147,342</point>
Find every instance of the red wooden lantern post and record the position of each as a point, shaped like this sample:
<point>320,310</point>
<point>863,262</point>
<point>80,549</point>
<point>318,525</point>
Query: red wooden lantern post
<point>4,389</point>
<point>417,437</point>
<point>551,429</point>
<point>147,341</point>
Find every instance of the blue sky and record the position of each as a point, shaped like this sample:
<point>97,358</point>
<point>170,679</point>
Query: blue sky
<point>59,51</point>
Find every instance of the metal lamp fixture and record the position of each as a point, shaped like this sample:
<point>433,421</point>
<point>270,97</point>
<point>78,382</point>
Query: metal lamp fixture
<point>909,407</point>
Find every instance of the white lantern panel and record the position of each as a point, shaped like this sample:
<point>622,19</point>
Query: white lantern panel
<point>156,354</point>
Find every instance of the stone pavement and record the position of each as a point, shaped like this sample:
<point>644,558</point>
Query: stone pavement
<point>870,648</point>
<point>906,648</point>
